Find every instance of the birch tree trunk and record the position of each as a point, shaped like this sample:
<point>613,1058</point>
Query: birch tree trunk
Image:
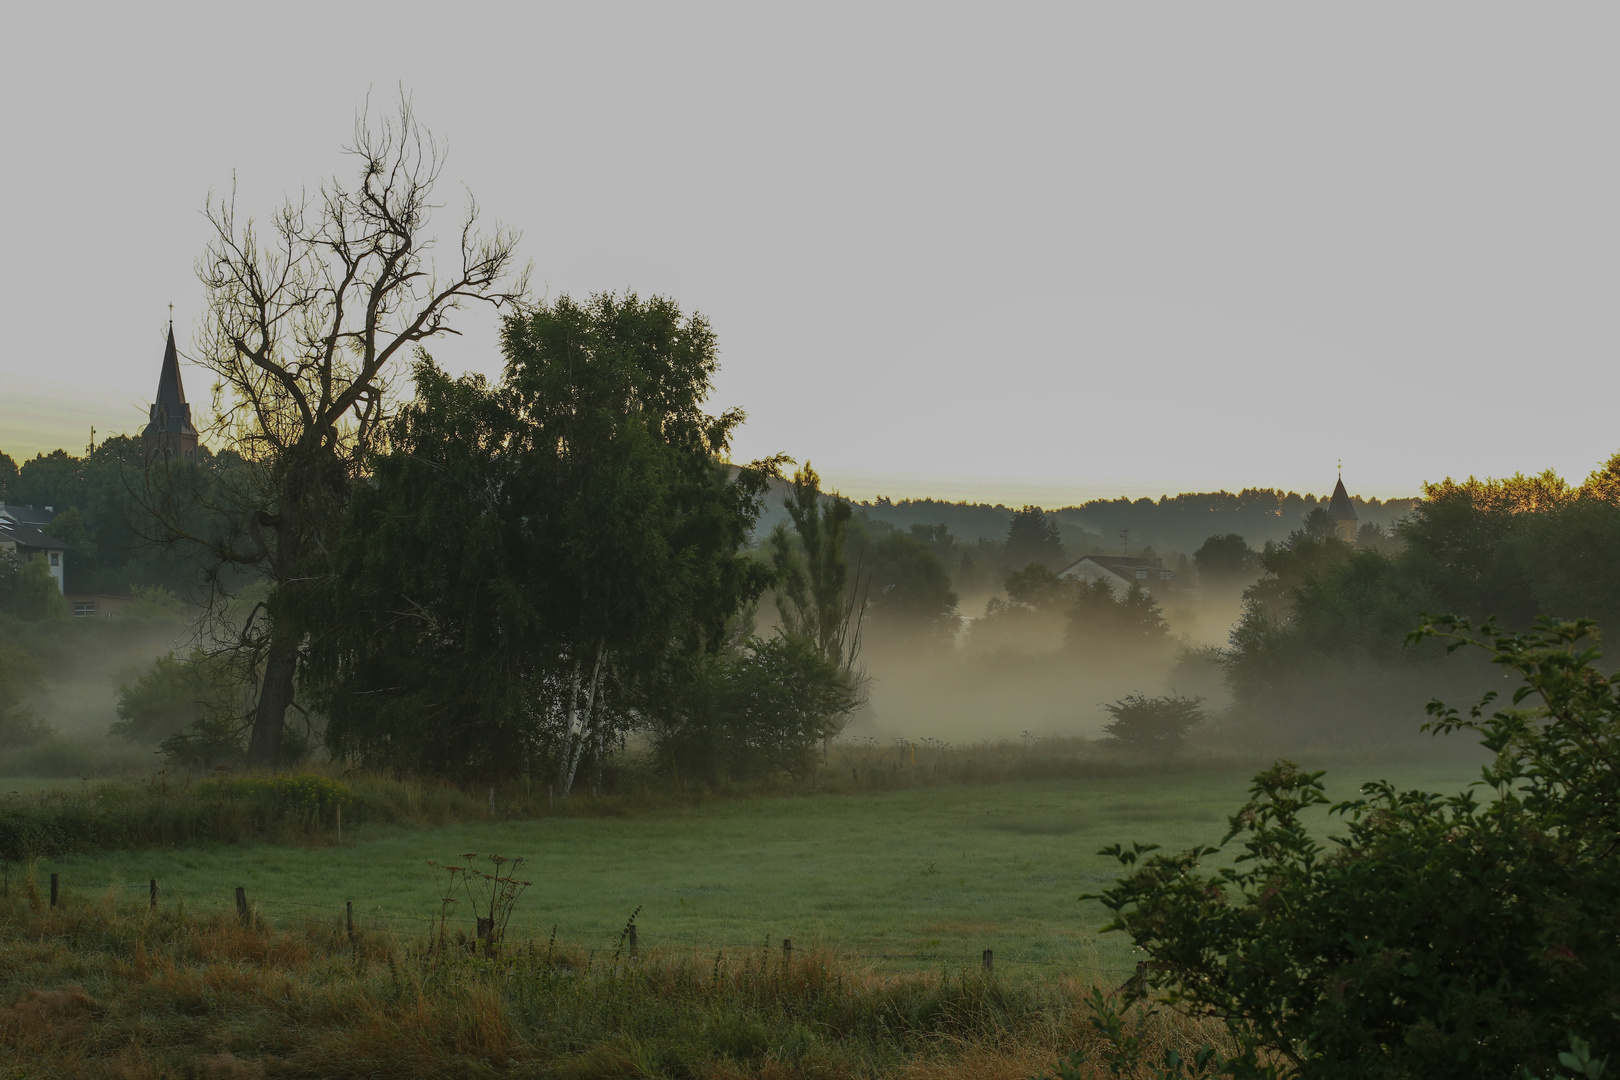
<point>581,720</point>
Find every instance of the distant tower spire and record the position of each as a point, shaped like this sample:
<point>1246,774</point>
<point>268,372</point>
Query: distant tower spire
<point>169,432</point>
<point>1342,510</point>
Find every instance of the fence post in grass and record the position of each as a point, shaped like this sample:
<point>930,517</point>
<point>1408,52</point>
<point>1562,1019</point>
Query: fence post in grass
<point>633,953</point>
<point>989,961</point>
<point>241,904</point>
<point>154,892</point>
<point>348,917</point>
<point>787,952</point>
<point>56,882</point>
<point>340,822</point>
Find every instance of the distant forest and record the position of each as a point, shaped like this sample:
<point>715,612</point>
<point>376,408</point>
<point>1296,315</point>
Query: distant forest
<point>1170,525</point>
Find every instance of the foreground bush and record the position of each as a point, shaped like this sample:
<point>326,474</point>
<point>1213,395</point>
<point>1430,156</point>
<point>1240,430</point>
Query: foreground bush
<point>1444,935</point>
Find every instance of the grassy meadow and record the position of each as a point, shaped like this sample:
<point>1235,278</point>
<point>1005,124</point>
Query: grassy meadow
<point>925,877</point>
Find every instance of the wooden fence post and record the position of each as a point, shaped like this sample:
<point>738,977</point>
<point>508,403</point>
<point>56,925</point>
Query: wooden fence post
<point>633,952</point>
<point>340,822</point>
<point>787,951</point>
<point>989,961</point>
<point>154,892</point>
<point>55,883</point>
<point>241,904</point>
<point>348,917</point>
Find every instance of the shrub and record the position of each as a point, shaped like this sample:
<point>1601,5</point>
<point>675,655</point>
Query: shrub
<point>1156,725</point>
<point>19,675</point>
<point>1444,935</point>
<point>308,794</point>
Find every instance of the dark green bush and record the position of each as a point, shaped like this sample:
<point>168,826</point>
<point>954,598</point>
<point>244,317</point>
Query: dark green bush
<point>1463,935</point>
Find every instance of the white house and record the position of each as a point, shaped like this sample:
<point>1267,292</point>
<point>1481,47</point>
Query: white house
<point>22,535</point>
<point>1120,571</point>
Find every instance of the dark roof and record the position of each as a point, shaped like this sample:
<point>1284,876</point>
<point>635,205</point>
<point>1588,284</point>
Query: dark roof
<point>28,515</point>
<point>30,536</point>
<point>170,414</point>
<point>1122,565</point>
<point>1340,508</point>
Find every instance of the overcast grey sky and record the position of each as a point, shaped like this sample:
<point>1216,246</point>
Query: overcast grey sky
<point>1017,252</point>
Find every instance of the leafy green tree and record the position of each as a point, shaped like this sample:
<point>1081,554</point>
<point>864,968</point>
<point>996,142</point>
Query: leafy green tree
<point>19,678</point>
<point>530,560</point>
<point>1032,536</point>
<point>175,694</point>
<point>621,477</point>
<point>1319,524</point>
<point>8,478</point>
<point>1101,619</point>
<point>910,590</point>
<point>436,658</point>
<point>1036,587</point>
<point>1317,651</point>
<point>28,591</point>
<point>1152,725</point>
<point>763,708</point>
<point>1443,935</point>
<point>1226,561</point>
<point>55,480</point>
<point>815,595</point>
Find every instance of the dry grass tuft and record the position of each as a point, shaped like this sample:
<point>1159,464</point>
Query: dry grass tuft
<point>226,1066</point>
<point>39,1007</point>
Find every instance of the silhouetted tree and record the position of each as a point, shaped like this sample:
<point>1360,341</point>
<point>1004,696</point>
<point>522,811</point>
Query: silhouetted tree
<point>1225,561</point>
<point>1032,536</point>
<point>304,329</point>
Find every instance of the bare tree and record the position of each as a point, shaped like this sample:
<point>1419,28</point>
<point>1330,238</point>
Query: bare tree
<point>306,323</point>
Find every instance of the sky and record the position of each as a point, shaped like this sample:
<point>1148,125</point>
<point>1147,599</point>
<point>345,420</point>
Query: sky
<point>1011,253</point>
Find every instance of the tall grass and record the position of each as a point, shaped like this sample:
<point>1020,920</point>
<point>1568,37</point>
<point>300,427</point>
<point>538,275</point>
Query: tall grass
<point>165,810</point>
<point>100,987</point>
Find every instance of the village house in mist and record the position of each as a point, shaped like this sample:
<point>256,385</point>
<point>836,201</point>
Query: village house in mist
<point>1121,572</point>
<point>23,536</point>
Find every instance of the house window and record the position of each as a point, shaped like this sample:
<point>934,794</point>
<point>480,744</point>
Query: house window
<point>83,609</point>
<point>1141,575</point>
<point>56,558</point>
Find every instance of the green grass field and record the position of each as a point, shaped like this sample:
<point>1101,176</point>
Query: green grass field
<point>919,877</point>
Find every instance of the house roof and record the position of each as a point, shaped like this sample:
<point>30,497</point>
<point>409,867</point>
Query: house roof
<point>1119,565</point>
<point>170,414</point>
<point>1340,508</point>
<point>28,515</point>
<point>25,535</point>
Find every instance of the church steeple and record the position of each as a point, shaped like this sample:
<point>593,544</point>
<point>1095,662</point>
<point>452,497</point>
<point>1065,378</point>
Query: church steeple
<point>169,432</point>
<point>1343,512</point>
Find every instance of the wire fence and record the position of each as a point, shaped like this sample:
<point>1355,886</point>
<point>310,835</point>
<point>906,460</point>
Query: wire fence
<point>339,912</point>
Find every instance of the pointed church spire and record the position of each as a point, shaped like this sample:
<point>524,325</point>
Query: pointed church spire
<point>170,391</point>
<point>1340,508</point>
<point>169,432</point>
